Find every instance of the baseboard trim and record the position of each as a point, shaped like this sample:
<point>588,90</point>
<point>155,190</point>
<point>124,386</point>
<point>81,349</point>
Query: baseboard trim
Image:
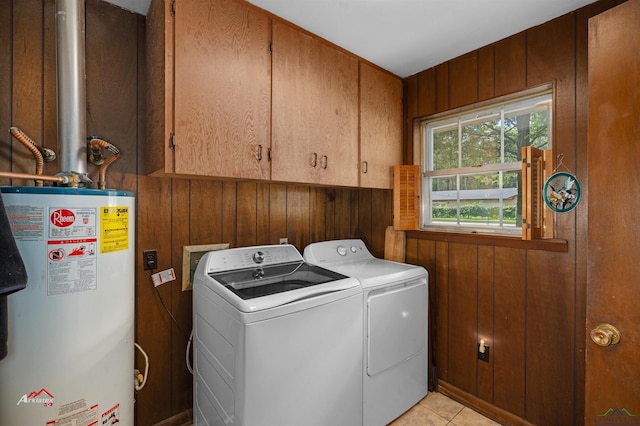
<point>489,410</point>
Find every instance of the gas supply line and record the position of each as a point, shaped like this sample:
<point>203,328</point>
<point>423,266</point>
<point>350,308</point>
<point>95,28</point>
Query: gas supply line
<point>97,158</point>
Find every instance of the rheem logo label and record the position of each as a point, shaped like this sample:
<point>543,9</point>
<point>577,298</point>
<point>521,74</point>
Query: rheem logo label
<point>63,218</point>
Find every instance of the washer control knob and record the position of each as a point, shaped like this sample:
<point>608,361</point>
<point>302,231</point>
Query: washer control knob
<point>353,249</point>
<point>258,257</point>
<point>342,250</point>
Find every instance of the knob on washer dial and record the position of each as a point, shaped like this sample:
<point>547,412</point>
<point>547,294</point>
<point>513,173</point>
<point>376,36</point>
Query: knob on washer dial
<point>258,257</point>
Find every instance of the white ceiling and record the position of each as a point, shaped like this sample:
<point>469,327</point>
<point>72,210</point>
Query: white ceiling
<point>408,36</point>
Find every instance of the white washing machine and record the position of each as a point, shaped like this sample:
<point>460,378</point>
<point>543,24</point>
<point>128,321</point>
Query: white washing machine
<point>276,341</point>
<point>395,303</point>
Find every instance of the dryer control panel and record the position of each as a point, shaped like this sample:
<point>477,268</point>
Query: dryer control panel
<point>337,250</point>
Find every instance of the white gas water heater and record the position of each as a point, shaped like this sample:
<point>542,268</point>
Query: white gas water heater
<point>71,330</point>
<point>70,345</point>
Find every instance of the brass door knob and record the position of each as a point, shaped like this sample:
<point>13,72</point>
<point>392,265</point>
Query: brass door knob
<point>605,335</point>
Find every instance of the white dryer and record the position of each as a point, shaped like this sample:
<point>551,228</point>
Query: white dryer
<point>395,302</point>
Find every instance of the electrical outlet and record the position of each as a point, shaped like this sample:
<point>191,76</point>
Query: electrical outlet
<point>483,352</point>
<point>284,241</point>
<point>150,259</point>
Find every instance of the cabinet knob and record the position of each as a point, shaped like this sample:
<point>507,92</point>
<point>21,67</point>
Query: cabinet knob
<point>605,335</point>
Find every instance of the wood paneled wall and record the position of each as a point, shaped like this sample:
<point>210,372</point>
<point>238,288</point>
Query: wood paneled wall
<point>176,212</point>
<point>527,304</point>
<point>170,213</point>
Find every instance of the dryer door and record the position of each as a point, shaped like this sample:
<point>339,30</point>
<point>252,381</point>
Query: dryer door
<point>396,324</point>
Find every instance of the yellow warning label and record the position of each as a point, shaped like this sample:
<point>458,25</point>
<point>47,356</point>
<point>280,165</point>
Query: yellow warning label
<point>114,229</point>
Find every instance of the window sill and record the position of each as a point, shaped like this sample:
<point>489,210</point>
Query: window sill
<point>555,245</point>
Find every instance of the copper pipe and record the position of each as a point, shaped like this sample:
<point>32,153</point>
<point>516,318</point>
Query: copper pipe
<point>65,180</point>
<point>31,145</point>
<point>48,155</point>
<point>97,143</point>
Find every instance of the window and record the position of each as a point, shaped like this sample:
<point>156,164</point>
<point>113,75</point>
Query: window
<point>472,163</point>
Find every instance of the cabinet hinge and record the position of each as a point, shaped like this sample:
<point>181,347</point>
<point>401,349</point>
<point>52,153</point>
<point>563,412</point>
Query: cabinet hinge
<point>173,7</point>
<point>269,154</point>
<point>172,141</point>
<point>270,48</point>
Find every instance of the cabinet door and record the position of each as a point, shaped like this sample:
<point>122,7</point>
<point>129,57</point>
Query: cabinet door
<point>222,89</point>
<point>380,127</point>
<point>315,110</point>
<point>158,158</point>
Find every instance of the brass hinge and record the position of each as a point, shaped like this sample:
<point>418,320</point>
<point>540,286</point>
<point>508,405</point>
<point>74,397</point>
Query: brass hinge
<point>172,141</point>
<point>173,7</point>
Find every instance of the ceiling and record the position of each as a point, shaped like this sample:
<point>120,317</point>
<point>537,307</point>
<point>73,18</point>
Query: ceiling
<point>408,36</point>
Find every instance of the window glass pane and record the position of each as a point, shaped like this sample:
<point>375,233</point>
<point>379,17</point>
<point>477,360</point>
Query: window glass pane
<point>524,128</point>
<point>445,148</point>
<point>472,176</point>
<point>481,199</point>
<point>444,199</point>
<point>512,204</point>
<point>481,143</point>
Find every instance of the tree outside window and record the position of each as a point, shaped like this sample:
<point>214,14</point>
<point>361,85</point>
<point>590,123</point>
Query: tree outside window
<point>472,165</point>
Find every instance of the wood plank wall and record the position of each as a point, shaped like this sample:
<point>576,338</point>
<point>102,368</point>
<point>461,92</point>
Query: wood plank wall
<point>170,212</point>
<point>527,304</point>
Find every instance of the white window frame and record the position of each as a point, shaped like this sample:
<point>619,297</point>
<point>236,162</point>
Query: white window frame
<point>496,108</point>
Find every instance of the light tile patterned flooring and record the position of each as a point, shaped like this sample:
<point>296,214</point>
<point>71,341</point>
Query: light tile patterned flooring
<point>438,410</point>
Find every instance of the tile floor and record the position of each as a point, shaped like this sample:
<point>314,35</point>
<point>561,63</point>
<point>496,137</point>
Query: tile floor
<point>438,410</point>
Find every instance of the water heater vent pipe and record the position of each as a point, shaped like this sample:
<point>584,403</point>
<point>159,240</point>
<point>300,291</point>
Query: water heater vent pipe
<point>71,87</point>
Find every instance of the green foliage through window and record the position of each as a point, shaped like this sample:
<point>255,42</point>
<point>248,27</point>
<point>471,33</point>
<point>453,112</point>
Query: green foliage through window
<point>472,162</point>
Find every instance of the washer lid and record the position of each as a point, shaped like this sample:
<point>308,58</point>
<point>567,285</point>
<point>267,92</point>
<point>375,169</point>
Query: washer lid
<point>273,279</point>
<point>267,287</point>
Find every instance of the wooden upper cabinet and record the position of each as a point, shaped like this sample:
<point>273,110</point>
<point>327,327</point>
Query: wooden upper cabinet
<point>315,110</point>
<point>222,101</point>
<point>157,157</point>
<point>234,93</point>
<point>380,126</point>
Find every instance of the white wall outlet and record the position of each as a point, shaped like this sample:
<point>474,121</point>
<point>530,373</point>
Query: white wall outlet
<point>284,241</point>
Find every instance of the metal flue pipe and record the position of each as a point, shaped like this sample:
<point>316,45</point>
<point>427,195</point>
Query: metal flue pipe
<point>70,54</point>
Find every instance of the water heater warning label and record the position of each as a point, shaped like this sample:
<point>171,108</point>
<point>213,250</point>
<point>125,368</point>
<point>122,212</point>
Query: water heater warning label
<point>87,416</point>
<point>114,229</point>
<point>72,266</point>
